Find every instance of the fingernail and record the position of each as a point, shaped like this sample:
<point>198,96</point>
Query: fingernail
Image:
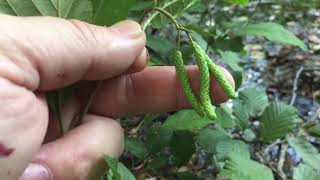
<point>129,29</point>
<point>35,172</point>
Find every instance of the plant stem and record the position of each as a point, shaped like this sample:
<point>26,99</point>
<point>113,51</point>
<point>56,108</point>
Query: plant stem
<point>148,21</point>
<point>166,13</point>
<point>84,111</point>
<point>59,113</point>
<point>295,85</point>
<point>281,161</point>
<point>145,14</point>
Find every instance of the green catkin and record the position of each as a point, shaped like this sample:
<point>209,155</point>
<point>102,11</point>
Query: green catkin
<point>200,56</point>
<point>224,83</point>
<point>182,74</point>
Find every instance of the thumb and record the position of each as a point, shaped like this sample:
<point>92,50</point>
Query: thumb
<point>46,53</point>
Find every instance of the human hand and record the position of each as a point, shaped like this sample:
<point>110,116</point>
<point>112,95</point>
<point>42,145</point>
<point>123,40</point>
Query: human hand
<point>39,54</point>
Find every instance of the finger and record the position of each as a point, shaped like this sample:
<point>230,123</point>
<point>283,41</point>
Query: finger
<point>50,53</point>
<point>79,154</point>
<point>140,63</point>
<point>156,89</point>
<point>23,123</point>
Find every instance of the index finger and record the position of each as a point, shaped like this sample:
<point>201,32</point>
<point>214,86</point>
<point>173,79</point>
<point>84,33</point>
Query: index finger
<point>155,89</point>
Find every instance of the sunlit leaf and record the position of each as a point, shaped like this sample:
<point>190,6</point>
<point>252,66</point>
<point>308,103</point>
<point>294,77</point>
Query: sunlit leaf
<point>186,120</point>
<point>68,9</point>
<point>209,138</point>
<point>273,32</point>
<point>238,167</point>
<point>277,120</point>
<point>310,155</point>
<point>227,147</point>
<point>118,171</point>
<point>224,117</point>
<point>255,100</point>
<point>305,172</point>
<point>241,114</point>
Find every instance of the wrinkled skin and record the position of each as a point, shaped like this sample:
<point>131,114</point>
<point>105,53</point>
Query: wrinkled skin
<point>39,54</point>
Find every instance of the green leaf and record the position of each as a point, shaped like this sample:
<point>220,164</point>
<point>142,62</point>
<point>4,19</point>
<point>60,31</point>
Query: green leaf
<point>161,46</point>
<point>240,2</point>
<point>188,176</point>
<point>148,120</point>
<point>125,173</point>
<point>186,120</point>
<point>117,170</point>
<point>108,12</point>
<point>229,44</point>
<point>158,137</point>
<point>228,147</point>
<point>307,151</point>
<point>46,7</point>
<point>199,39</point>
<point>68,9</point>
<point>209,138</point>
<point>64,8</point>
<point>255,99</point>
<point>232,61</point>
<point>81,9</point>
<point>224,117</point>
<point>141,5</point>
<point>113,167</point>
<point>182,146</point>
<point>314,130</point>
<point>242,168</point>
<point>136,147</point>
<point>19,8</point>
<point>158,162</point>
<point>305,172</point>
<point>174,7</point>
<point>248,135</point>
<point>241,114</point>
<point>277,120</point>
<point>273,32</point>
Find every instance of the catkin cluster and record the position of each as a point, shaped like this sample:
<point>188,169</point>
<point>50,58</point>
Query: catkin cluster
<point>202,105</point>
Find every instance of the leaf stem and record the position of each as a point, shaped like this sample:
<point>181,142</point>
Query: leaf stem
<point>148,21</point>
<point>78,119</point>
<point>59,113</point>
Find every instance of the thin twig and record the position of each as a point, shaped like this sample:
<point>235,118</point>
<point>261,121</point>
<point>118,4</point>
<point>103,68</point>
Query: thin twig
<point>148,21</point>
<point>145,14</point>
<point>78,119</point>
<point>281,161</point>
<point>268,148</point>
<point>59,113</point>
<point>264,161</point>
<point>295,85</point>
<point>315,116</point>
